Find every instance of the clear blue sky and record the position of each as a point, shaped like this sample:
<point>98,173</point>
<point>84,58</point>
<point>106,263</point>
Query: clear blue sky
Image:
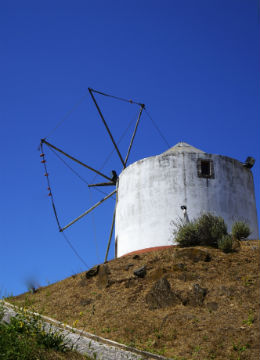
<point>195,64</point>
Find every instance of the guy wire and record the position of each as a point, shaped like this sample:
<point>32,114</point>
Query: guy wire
<point>73,249</point>
<point>56,215</point>
<point>157,128</point>
<point>116,97</point>
<point>67,114</point>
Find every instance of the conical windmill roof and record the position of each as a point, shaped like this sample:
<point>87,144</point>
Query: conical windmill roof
<point>183,147</point>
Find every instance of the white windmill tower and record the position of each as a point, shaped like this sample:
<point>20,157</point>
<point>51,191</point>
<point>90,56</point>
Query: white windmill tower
<point>154,191</point>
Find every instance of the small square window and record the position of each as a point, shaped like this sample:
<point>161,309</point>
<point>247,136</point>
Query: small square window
<point>205,168</point>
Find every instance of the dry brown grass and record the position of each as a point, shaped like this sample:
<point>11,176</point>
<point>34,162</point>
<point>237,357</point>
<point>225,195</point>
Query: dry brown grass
<point>120,312</point>
<point>56,355</point>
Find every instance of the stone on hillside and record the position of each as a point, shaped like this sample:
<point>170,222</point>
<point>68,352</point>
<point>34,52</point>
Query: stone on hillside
<point>179,267</point>
<point>196,296</point>
<point>141,272</point>
<point>103,277</point>
<point>212,306</point>
<point>157,273</point>
<point>226,291</point>
<point>193,254</point>
<point>130,283</point>
<point>92,272</point>
<point>85,302</point>
<point>127,267</point>
<point>161,295</point>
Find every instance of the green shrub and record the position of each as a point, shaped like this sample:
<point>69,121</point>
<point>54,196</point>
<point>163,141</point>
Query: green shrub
<point>210,229</point>
<point>226,243</point>
<point>206,230</point>
<point>25,338</point>
<point>240,230</point>
<point>187,235</point>
<point>52,339</point>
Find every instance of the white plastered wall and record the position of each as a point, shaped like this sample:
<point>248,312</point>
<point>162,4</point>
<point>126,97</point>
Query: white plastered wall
<point>151,192</point>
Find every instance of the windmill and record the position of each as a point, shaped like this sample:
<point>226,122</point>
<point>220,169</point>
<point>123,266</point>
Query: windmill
<point>111,181</point>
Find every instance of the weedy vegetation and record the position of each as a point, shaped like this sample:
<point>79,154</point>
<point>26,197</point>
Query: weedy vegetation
<point>26,338</point>
<point>240,230</point>
<point>210,230</point>
<point>226,243</point>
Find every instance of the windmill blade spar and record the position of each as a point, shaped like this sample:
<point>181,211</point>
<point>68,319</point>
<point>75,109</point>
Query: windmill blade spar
<point>88,211</point>
<point>133,136</point>
<point>102,184</point>
<point>74,159</point>
<point>106,126</point>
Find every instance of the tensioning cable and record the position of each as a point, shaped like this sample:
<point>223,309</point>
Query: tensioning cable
<point>67,115</point>
<point>43,161</point>
<point>74,250</point>
<point>157,128</point>
<point>116,97</point>
<point>50,194</point>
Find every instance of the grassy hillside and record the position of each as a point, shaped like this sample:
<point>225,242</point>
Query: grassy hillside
<point>192,303</point>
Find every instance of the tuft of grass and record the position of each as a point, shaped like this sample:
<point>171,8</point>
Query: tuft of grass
<point>250,320</point>
<point>240,348</point>
<point>187,234</point>
<point>226,243</point>
<point>240,230</point>
<point>210,229</point>
<point>206,230</point>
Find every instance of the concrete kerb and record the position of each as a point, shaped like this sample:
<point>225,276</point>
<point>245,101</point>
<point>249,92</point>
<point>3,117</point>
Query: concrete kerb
<point>86,343</point>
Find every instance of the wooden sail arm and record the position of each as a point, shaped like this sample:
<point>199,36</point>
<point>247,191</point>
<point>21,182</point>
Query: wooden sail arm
<point>88,211</point>
<point>113,182</point>
<point>43,141</point>
<point>142,106</point>
<point>106,126</point>
<point>102,184</point>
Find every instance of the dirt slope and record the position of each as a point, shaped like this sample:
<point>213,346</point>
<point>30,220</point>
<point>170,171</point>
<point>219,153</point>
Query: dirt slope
<point>192,303</point>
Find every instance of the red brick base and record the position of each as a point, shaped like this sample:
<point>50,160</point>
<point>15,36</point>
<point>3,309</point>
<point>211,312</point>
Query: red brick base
<point>148,250</point>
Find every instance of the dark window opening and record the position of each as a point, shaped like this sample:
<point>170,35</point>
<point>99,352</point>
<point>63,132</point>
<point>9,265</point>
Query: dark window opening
<point>205,168</point>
